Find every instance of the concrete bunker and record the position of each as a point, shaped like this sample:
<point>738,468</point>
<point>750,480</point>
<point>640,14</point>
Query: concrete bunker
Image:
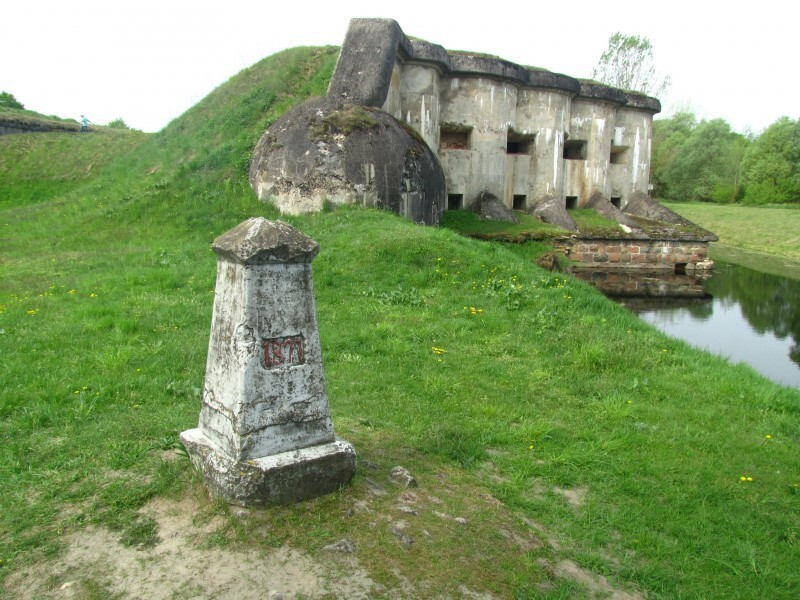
<point>451,127</point>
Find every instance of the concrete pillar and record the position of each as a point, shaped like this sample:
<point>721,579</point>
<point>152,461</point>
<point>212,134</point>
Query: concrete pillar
<point>265,434</point>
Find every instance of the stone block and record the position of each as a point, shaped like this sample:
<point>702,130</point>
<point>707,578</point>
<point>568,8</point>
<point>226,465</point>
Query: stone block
<point>283,478</point>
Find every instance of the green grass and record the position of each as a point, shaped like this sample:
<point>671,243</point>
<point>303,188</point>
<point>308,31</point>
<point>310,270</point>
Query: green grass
<point>40,166</point>
<point>538,382</point>
<point>529,227</point>
<point>468,223</point>
<point>771,230</point>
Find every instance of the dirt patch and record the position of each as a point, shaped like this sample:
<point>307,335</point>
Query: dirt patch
<point>597,585</point>
<point>576,496</point>
<point>97,565</point>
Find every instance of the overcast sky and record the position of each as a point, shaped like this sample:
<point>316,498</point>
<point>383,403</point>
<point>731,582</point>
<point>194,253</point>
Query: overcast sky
<point>148,61</point>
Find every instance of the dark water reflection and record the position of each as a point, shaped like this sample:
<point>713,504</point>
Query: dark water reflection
<point>744,314</point>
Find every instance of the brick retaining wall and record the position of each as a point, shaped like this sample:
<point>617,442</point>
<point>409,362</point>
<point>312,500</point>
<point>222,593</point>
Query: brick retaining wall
<point>660,255</point>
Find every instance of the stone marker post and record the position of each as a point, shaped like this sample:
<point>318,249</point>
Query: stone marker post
<point>265,434</point>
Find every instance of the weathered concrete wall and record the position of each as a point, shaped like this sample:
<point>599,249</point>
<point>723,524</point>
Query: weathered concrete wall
<point>366,62</point>
<point>592,123</point>
<point>544,114</point>
<point>419,101</point>
<point>347,154</point>
<point>631,150</point>
<point>485,108</point>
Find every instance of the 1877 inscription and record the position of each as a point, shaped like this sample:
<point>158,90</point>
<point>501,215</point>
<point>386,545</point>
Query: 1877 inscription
<point>284,351</point>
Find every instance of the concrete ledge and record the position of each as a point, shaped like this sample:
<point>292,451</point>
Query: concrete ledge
<point>380,41</point>
<point>597,91</point>
<point>283,478</point>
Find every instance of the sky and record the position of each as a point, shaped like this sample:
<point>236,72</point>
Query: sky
<point>148,61</point>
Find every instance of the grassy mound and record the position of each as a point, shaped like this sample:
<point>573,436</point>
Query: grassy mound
<point>562,429</point>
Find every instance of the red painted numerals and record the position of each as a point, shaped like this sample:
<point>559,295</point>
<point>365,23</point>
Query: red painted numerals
<point>284,351</point>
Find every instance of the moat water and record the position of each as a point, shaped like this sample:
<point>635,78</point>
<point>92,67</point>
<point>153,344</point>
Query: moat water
<point>743,313</point>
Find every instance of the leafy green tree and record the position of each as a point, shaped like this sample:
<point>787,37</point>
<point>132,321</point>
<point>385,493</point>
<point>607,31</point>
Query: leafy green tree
<point>628,64</point>
<point>669,135</point>
<point>696,161</point>
<point>7,100</point>
<point>771,166</point>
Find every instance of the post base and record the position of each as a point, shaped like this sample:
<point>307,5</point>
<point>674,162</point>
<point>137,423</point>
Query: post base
<point>283,478</point>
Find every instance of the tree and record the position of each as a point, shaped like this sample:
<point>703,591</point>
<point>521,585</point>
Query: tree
<point>118,124</point>
<point>669,135</point>
<point>628,64</point>
<point>771,165</point>
<point>7,100</point>
<point>697,161</point>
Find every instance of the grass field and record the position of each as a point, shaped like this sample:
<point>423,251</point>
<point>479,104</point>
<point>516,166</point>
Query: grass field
<point>563,430</point>
<point>773,230</point>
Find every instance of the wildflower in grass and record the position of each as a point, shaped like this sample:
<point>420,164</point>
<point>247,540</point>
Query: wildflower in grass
<point>768,437</point>
<point>438,351</point>
<point>745,479</point>
<point>71,292</point>
<point>33,312</point>
<point>92,295</point>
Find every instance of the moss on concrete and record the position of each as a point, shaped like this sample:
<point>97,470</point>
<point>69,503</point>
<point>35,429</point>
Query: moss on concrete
<point>344,120</point>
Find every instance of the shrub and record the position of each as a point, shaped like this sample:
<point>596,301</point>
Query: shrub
<point>7,100</point>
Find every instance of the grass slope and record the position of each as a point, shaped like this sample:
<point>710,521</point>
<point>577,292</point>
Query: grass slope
<point>487,377</point>
<point>36,167</point>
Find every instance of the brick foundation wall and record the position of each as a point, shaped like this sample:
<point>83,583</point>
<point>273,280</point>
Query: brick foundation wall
<point>661,255</point>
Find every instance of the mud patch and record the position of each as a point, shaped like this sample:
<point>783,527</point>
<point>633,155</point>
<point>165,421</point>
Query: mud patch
<point>97,565</point>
